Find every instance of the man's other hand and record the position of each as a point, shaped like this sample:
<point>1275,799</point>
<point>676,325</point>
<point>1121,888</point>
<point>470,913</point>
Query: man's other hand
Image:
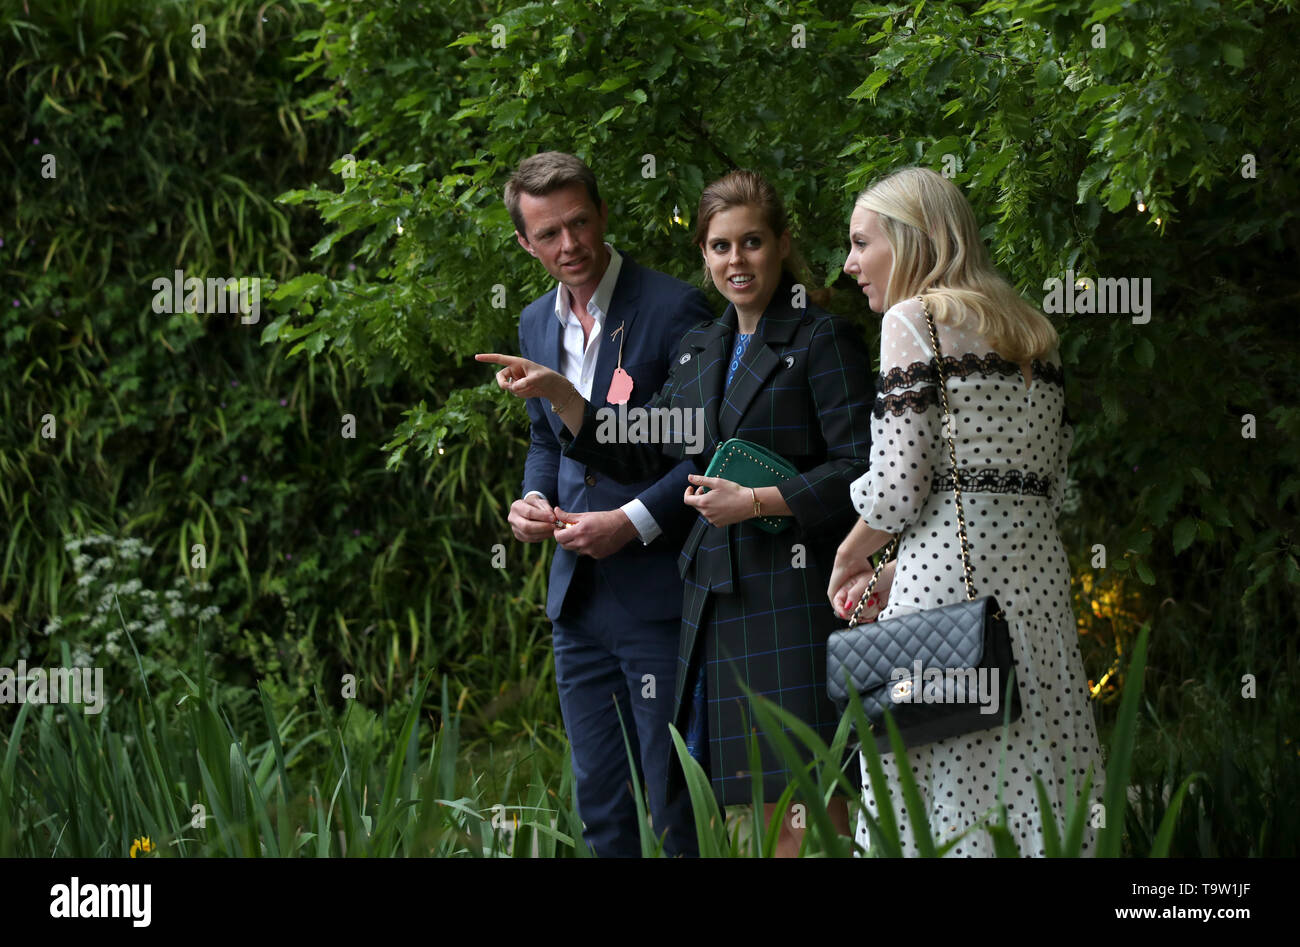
<point>593,534</point>
<point>532,519</point>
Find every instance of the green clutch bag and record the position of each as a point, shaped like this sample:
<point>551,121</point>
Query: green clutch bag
<point>752,465</point>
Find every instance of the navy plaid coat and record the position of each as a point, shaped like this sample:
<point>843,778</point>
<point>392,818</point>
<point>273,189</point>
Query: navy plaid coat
<point>755,607</point>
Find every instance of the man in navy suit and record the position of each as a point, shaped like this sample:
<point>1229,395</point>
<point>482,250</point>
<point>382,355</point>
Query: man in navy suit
<point>615,595</point>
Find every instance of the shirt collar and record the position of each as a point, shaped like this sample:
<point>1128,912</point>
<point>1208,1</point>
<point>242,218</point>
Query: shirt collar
<point>600,300</point>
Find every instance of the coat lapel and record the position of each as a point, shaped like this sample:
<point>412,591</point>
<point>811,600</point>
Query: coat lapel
<point>712,350</point>
<point>775,330</point>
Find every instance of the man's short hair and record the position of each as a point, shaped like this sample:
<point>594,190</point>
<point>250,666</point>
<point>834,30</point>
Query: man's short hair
<point>543,173</point>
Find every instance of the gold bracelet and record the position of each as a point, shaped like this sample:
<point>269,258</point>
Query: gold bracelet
<point>562,407</point>
<point>758,509</point>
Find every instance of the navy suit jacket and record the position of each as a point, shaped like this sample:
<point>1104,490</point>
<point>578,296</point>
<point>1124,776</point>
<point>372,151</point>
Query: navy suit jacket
<point>655,311</point>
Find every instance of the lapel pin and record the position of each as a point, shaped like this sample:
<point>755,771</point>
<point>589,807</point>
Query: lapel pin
<point>686,357</point>
<point>789,361</point>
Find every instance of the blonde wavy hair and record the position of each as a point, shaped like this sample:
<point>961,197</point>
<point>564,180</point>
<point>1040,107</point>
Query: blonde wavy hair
<point>939,255</point>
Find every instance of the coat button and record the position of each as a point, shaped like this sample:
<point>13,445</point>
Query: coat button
<point>591,479</point>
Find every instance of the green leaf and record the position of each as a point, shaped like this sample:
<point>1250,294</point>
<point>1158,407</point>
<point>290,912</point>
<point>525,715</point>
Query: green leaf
<point>912,800</point>
<point>1165,833</point>
<point>1119,762</point>
<point>1080,810</point>
<point>1233,56</point>
<point>708,819</point>
<point>1117,197</point>
<point>870,86</point>
<point>1004,843</point>
<point>883,828</point>
<point>1292,569</point>
<point>1094,94</point>
<point>1144,571</point>
<point>1184,533</point>
<point>1051,832</point>
<point>1093,175</point>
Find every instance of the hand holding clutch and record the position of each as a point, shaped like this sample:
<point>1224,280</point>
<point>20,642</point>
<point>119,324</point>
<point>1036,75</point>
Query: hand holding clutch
<point>721,502</point>
<point>752,465</point>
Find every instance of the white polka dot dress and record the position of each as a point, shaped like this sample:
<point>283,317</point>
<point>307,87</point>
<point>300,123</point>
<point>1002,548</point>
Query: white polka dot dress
<point>1012,445</point>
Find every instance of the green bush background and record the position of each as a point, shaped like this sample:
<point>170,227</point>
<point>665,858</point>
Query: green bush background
<point>372,556</point>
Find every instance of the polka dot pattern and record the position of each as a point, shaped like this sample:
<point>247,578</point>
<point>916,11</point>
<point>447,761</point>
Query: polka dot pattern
<point>999,426</point>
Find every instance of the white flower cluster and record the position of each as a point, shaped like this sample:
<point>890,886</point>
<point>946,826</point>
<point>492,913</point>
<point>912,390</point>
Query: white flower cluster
<point>129,548</point>
<point>98,586</point>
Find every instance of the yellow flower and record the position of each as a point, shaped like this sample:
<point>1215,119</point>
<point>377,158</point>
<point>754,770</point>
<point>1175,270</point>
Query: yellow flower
<point>141,845</point>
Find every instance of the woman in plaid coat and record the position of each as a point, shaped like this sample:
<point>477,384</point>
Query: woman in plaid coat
<point>789,376</point>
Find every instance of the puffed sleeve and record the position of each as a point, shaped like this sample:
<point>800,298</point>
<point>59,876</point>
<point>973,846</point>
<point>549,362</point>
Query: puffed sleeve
<point>905,431</point>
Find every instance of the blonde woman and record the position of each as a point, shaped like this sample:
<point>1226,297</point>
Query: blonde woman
<point>913,237</point>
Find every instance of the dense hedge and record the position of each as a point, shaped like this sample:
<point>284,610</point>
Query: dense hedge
<point>1052,120</point>
<point>329,555</point>
<point>172,429</point>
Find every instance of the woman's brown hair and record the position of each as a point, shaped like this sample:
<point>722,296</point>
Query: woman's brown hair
<point>742,188</point>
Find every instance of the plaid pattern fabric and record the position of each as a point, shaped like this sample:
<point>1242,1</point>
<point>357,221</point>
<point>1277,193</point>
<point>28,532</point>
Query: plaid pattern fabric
<point>695,731</point>
<point>755,607</point>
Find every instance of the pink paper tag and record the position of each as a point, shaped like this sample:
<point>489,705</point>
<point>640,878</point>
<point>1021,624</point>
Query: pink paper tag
<point>620,387</point>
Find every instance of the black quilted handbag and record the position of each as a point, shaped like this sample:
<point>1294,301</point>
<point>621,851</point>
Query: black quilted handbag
<point>942,671</point>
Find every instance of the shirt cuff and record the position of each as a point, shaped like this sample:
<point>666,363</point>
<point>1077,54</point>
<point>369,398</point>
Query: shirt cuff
<point>645,524</point>
<point>537,493</point>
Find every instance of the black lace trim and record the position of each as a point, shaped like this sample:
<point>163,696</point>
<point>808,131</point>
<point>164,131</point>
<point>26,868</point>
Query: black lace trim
<point>990,363</point>
<point>992,480</point>
<point>914,401</point>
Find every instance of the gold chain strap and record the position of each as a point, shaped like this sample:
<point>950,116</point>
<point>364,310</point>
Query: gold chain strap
<point>952,454</point>
<point>892,548</point>
<point>871,583</point>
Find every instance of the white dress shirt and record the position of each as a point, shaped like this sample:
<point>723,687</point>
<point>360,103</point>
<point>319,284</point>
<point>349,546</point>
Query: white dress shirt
<point>578,364</point>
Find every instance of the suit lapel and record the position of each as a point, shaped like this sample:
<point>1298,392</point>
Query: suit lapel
<point>552,352</point>
<point>553,334</point>
<point>622,311</point>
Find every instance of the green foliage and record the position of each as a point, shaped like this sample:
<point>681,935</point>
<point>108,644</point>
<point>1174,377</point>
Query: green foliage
<point>1049,134</point>
<point>182,776</point>
<point>322,563</point>
<point>176,429</point>
<point>96,633</point>
<point>1051,117</point>
<point>320,783</point>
